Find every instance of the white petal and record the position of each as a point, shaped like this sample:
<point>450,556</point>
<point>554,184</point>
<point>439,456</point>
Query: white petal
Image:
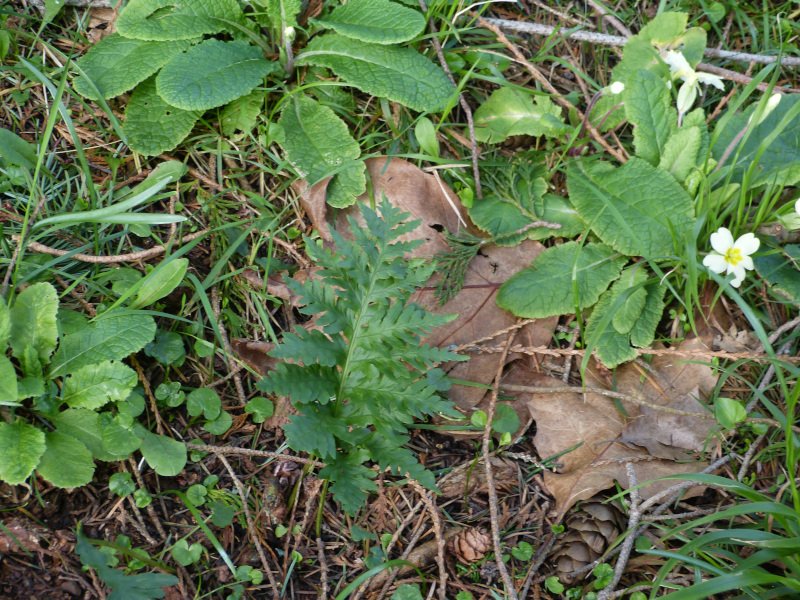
<point>710,79</point>
<point>797,207</point>
<point>722,240</point>
<point>678,65</point>
<point>715,262</point>
<point>748,243</point>
<point>747,263</point>
<point>738,276</point>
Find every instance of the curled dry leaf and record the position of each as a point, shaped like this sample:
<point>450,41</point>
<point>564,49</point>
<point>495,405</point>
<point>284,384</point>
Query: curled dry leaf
<point>255,354</point>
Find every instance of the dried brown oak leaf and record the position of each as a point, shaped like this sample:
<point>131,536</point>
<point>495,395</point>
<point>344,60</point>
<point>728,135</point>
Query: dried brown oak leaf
<point>431,200</point>
<point>606,439</point>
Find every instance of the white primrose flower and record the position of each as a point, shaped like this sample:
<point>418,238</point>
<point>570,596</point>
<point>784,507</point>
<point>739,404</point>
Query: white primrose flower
<point>680,69</point>
<point>732,257</point>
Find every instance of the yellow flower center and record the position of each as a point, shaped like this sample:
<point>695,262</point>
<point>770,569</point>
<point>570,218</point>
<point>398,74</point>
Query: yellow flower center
<point>733,256</point>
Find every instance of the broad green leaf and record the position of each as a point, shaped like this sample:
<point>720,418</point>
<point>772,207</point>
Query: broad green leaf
<point>16,151</point>
<point>613,347</point>
<point>212,73</point>
<point>607,113</point>
<point>505,419</point>
<point>220,424</point>
<point>70,321</point>
<point>165,455</point>
<point>21,447</point>
<point>680,153</point>
<point>153,126</point>
<point>116,64</point>
<point>30,387</point>
<point>119,440</point>
<point>203,401</point>
<point>729,412</point>
<point>163,20</point>
<point>780,271</point>
<point>780,162</point>
<point>111,337</point>
<point>376,21</point>
<point>510,112</point>
<point>281,13</point>
<point>594,266</point>
<point>33,321</point>
<point>349,183</point>
<point>648,108</point>
<point>84,425</point>
<point>626,314</point>
<point>644,331</point>
<point>637,209</point>
<point>318,143</point>
<point>241,114</point>
<point>161,281</point>
<point>9,392</point>
<point>66,463</point>
<point>95,385</point>
<point>29,362</point>
<point>399,74</point>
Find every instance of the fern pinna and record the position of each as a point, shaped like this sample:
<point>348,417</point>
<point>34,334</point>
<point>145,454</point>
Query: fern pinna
<point>361,375</point>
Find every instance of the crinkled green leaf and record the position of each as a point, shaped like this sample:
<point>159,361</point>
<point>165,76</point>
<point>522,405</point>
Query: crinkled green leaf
<point>30,387</point>
<point>161,282</point>
<point>281,12</point>
<point>84,425</point>
<point>376,21</point>
<point>66,463</point>
<point>627,313</point>
<point>212,73</point>
<point>110,337</point>
<point>318,143</point>
<point>510,112</point>
<point>119,440</point>
<point>21,447</point>
<point>16,151</point>
<point>648,106</point>
<point>116,64</point>
<point>9,393</point>
<point>399,74</point>
<point>779,164</point>
<point>781,271</point>
<point>637,209</point>
<point>595,265</point>
<point>153,126</point>
<point>95,385</point>
<point>644,331</point>
<point>163,20</point>
<point>613,347</point>
<point>242,113</point>
<point>33,321</point>
<point>680,153</point>
<point>166,456</point>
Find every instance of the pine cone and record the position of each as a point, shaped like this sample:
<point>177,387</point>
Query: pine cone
<point>471,545</point>
<point>588,532</point>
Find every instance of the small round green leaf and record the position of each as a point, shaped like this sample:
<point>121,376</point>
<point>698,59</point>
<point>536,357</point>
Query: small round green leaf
<point>165,455</point>
<point>185,554</point>
<point>729,412</point>
<point>260,408</point>
<point>505,419</point>
<point>212,74</point>
<point>203,401</point>
<point>219,425</point>
<point>121,484</point>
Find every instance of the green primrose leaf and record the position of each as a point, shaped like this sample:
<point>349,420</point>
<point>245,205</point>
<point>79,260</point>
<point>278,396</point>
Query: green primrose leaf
<point>21,446</point>
<point>9,390</point>
<point>399,74</point>
<point>94,385</point>
<point>595,266</point>
<point>117,64</point>
<point>376,21</point>
<point>779,270</point>
<point>151,125</point>
<point>5,325</point>
<point>241,114</point>
<point>119,439</point>
<point>681,151</point>
<point>648,106</point>
<point>212,74</point>
<point>16,151</point>
<point>33,321</point>
<point>84,425</point>
<point>66,463</point>
<point>163,20</point>
<point>510,112</point>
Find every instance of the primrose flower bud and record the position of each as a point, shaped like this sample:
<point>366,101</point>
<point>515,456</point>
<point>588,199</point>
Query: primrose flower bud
<point>616,88</point>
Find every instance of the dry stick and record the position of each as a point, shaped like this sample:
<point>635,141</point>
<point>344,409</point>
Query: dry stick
<point>541,555</point>
<point>412,543</point>
<point>739,78</point>
<point>748,457</point>
<point>237,379</point>
<point>15,256</point>
<point>219,450</point>
<point>437,530</point>
<point>149,393</point>
<point>563,102</point>
<point>114,258</point>
<point>633,521</point>
<point>528,389</point>
<point>616,40</point>
<point>487,464</point>
<point>251,529</point>
<point>150,510</point>
<point>323,570</point>
<point>461,100</point>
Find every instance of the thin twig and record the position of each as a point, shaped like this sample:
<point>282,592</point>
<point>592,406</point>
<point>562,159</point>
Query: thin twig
<point>538,561</point>
<point>115,258</point>
<point>323,570</point>
<point>438,532</point>
<point>487,465</point>
<point>237,379</point>
<point>247,452</point>
<point>748,457</point>
<point>150,510</point>
<point>149,393</point>
<point>251,529</point>
<point>616,40</point>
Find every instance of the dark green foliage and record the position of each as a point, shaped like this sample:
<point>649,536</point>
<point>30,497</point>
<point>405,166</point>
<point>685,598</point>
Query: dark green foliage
<point>364,381</point>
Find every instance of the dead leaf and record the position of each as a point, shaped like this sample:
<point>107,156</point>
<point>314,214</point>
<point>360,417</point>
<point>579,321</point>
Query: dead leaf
<point>23,533</point>
<point>467,482</point>
<point>255,354</point>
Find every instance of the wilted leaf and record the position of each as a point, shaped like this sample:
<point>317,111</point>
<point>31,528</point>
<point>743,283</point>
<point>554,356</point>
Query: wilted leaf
<point>255,354</point>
